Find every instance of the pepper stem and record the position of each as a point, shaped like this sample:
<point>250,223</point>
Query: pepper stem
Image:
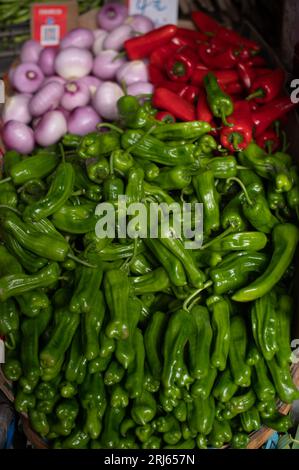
<point>240,167</point>
<point>5,180</point>
<point>195,294</point>
<point>285,143</point>
<point>259,93</point>
<point>80,261</point>
<point>241,184</point>
<point>110,126</point>
<point>269,146</point>
<point>10,342</point>
<point>216,239</point>
<point>224,120</point>
<point>151,129</point>
<point>62,152</point>
<point>5,206</point>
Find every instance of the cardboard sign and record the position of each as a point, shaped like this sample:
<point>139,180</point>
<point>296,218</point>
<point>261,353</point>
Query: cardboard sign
<point>51,21</point>
<point>159,11</point>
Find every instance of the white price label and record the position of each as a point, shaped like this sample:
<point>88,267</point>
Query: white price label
<point>159,11</point>
<point>2,92</point>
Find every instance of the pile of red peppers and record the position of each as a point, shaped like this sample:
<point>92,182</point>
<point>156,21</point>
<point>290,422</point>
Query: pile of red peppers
<point>179,61</point>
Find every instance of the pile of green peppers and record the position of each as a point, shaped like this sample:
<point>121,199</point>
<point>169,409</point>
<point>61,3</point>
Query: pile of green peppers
<point>121,343</point>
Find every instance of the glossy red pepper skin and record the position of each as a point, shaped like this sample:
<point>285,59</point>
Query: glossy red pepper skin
<point>264,116</point>
<point>190,34</point>
<point>180,65</point>
<point>180,41</point>
<point>266,88</point>
<point>269,141</point>
<point>224,77</point>
<point>239,135</point>
<point>257,61</point>
<point>142,46</point>
<point>246,73</point>
<point>170,101</point>
<point>156,74</point>
<point>226,59</point>
<point>161,54</point>
<point>189,93</point>
<point>234,88</point>
<point>207,24</point>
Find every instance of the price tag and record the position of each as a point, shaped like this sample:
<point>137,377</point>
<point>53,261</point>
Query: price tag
<point>51,21</point>
<point>159,11</point>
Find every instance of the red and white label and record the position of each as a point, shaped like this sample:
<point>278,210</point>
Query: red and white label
<point>49,23</point>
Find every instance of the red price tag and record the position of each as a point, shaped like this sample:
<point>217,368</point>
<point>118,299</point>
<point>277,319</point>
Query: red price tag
<point>49,23</point>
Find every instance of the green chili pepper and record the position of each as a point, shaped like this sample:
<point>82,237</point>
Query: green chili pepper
<point>116,287</point>
<point>250,420</point>
<point>61,338</point>
<point>155,281</point>
<point>222,167</point>
<point>203,415</point>
<point>60,190</point>
<point>221,433</point>
<point>140,265</point>
<point>235,270</point>
<point>144,408</point>
<point>88,282</point>
<point>176,247</point>
<point>220,103</point>
<point>12,368</point>
<point>279,422</point>
<point>24,401</point>
<point>204,185</point>
<point>91,191</point>
<point>114,373</point>
<point>180,330</point>
<point>71,140</point>
<point>247,241</point>
<point>150,148</point>
<point>239,404</point>
<point>78,439</point>
<point>134,189</point>
<point>36,167</point>
<point>94,402</point>
<point>119,397</point>
<point>93,321</point>
<point>203,387</point>
<point>220,311</point>
<point>125,348</point>
<point>75,359</point>
<point>262,385</point>
<point>75,219</point>
<point>42,244</point>
<point>153,338</point>
<point>240,440</point>
<point>8,195</point>
<point>98,170</point>
<point>259,215</point>
<point>110,436</point>
<point>285,238</point>
<point>265,325</point>
<point>10,159</point>
<point>283,381</point>
<point>225,387</point>
<point>241,372</point>
<point>135,375</point>
<point>98,144</point>
<point>9,322</point>
<point>200,356</point>
<point>17,284</point>
<point>232,216</point>
<point>151,170</point>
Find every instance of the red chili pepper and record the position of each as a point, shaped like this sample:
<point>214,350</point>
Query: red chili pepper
<point>165,116</point>
<point>180,42</point>
<point>234,88</point>
<point>171,102</point>
<point>269,141</point>
<point>246,74</point>
<point>207,24</point>
<point>159,55</point>
<point>202,109</point>
<point>256,61</point>
<point>239,135</point>
<point>204,22</point>
<point>180,66</point>
<point>191,34</point>
<point>223,76</point>
<point>265,115</point>
<point>142,46</point>
<point>156,75</point>
<point>176,87</point>
<point>221,60</point>
<point>189,93</point>
<point>267,87</point>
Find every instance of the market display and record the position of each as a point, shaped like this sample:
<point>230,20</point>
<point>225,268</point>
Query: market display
<point>142,343</point>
